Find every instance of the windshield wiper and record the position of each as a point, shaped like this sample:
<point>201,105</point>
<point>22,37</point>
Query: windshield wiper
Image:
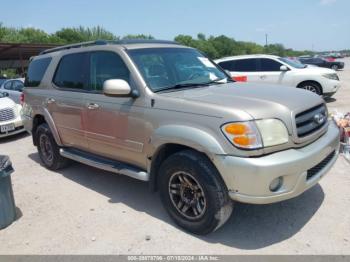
<point>181,86</point>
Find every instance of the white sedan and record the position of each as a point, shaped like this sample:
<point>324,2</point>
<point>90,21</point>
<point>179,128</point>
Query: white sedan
<point>10,117</point>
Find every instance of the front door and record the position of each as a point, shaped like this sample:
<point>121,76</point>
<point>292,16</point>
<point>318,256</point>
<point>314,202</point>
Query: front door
<point>114,125</point>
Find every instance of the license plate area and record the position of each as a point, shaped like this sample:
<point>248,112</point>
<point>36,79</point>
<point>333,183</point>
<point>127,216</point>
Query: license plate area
<point>7,128</point>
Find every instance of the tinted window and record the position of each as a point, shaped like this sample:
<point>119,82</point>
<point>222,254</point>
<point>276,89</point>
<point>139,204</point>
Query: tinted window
<point>72,71</point>
<point>36,71</point>
<point>269,65</point>
<point>246,65</point>
<point>104,66</point>
<point>8,85</point>
<point>228,65</point>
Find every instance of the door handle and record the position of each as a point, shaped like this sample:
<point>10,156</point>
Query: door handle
<point>262,76</point>
<point>50,100</point>
<point>92,106</point>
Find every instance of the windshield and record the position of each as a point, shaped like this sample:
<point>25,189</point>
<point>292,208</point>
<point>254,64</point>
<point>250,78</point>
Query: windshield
<point>293,63</point>
<point>167,68</point>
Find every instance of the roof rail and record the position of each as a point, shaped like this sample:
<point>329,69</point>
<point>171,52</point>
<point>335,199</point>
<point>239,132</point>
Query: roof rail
<point>145,41</point>
<point>83,44</point>
<point>106,42</point>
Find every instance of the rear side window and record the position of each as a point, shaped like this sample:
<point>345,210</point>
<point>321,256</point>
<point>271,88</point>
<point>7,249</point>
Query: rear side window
<point>228,65</point>
<point>72,71</point>
<point>269,65</point>
<point>105,66</point>
<point>246,65</point>
<point>36,71</point>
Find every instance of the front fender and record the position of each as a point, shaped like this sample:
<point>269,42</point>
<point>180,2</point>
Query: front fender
<point>188,136</point>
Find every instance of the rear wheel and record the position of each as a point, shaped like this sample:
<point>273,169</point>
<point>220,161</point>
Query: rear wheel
<point>312,87</point>
<point>193,192</point>
<point>48,149</point>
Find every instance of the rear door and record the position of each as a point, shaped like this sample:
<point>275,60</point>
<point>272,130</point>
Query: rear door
<point>66,101</point>
<point>242,69</point>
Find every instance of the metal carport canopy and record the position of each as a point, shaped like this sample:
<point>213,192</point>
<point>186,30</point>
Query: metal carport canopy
<point>17,55</point>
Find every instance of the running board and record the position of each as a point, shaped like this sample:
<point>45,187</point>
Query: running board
<point>104,163</point>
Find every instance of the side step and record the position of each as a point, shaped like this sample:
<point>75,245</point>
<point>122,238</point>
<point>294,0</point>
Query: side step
<point>104,163</point>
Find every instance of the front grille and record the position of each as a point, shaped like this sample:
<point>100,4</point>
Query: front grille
<point>311,120</point>
<point>316,169</point>
<point>7,114</point>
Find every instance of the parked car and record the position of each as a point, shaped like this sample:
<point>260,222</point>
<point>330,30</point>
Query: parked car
<point>322,62</point>
<point>14,87</point>
<point>10,117</point>
<point>282,71</point>
<point>164,113</point>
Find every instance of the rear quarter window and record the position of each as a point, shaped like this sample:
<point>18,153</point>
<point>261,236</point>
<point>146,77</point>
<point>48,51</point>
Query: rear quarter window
<point>36,71</point>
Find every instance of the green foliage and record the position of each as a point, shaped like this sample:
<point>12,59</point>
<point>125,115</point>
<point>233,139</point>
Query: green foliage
<point>83,34</point>
<point>213,46</point>
<point>222,46</point>
<point>139,36</point>
<point>9,73</point>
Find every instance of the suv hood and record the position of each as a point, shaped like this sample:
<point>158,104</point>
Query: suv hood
<point>259,101</point>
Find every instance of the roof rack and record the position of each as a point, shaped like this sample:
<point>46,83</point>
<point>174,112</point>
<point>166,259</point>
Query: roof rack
<point>106,42</point>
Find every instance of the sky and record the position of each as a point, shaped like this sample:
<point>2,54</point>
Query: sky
<point>299,24</point>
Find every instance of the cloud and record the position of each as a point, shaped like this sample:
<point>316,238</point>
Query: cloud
<point>327,2</point>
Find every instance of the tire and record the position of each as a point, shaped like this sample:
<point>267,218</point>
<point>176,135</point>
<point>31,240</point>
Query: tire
<point>312,87</point>
<point>210,200</point>
<point>49,151</point>
<point>334,67</point>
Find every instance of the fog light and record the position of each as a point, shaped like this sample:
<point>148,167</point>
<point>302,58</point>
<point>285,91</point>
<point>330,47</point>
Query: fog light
<point>276,184</point>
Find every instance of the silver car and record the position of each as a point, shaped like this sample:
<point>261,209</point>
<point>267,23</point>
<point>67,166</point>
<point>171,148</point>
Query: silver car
<point>164,113</point>
<point>14,89</point>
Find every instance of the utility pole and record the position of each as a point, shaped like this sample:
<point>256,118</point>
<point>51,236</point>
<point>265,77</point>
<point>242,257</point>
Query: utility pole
<point>266,35</point>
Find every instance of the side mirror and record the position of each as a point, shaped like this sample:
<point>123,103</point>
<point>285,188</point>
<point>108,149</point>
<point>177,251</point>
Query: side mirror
<point>284,68</point>
<point>117,87</point>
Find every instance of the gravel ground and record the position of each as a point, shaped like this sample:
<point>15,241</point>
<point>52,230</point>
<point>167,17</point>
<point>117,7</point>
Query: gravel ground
<point>82,210</point>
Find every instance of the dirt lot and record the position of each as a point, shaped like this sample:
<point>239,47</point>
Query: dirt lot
<point>82,210</point>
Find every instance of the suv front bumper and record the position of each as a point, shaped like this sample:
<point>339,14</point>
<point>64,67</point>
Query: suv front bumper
<point>248,179</point>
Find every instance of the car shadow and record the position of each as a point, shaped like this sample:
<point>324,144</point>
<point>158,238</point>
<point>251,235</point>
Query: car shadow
<point>250,227</point>
<point>10,139</point>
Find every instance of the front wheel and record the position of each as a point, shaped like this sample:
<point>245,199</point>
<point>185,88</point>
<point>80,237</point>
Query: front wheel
<point>312,87</point>
<point>193,192</point>
<point>335,67</point>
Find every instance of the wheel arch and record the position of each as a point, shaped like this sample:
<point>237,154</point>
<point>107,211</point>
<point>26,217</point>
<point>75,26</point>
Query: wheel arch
<point>310,81</point>
<point>169,140</point>
<point>45,117</point>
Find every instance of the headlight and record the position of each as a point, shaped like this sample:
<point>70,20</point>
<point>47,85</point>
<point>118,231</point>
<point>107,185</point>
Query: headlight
<point>243,134</point>
<point>331,76</point>
<point>273,132</point>
<point>256,134</point>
